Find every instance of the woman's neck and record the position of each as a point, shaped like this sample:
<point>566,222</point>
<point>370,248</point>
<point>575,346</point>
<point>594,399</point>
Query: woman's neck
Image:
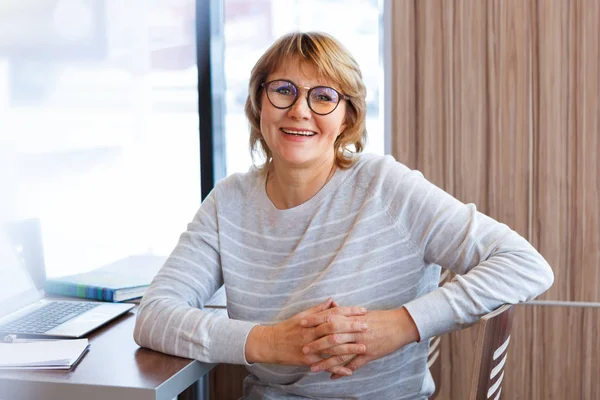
<point>290,187</point>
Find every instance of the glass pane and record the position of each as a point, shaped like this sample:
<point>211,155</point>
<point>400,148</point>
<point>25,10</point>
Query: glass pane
<point>251,26</point>
<point>99,126</point>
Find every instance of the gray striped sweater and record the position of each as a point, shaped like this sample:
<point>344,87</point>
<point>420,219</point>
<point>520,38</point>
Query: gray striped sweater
<point>376,235</point>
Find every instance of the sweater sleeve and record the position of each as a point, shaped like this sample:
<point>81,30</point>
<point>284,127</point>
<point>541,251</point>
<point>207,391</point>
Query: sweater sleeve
<point>170,318</point>
<point>494,264</point>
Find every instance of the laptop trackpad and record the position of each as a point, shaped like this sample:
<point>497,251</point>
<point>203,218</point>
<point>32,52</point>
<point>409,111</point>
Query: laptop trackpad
<point>90,320</point>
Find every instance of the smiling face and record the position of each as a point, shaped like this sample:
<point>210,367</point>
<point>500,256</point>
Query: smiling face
<point>297,136</point>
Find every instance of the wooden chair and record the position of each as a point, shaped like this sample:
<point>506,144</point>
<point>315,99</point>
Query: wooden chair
<point>490,354</point>
<point>491,348</point>
<point>434,362</point>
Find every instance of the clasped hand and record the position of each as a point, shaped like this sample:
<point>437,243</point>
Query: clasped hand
<point>330,338</point>
<point>388,331</point>
<point>282,343</point>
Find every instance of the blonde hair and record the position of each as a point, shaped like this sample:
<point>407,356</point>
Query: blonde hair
<point>335,64</point>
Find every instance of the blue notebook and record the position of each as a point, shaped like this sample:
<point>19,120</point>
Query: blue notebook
<point>122,280</point>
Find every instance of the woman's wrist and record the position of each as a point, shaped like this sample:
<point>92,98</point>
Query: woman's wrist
<point>408,326</point>
<point>257,345</point>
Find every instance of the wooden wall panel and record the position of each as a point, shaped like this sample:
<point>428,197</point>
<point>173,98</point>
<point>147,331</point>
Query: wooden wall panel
<point>226,382</point>
<point>457,364</point>
<point>589,353</point>
<point>551,144</point>
<point>404,94</point>
<point>448,92</point>
<point>471,119</point>
<point>584,175</point>
<point>566,171</point>
<point>556,357</point>
<point>509,100</point>
<point>431,151</point>
<point>507,116</point>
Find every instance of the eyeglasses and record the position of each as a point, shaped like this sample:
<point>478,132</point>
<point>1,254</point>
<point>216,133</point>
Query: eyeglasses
<point>322,100</point>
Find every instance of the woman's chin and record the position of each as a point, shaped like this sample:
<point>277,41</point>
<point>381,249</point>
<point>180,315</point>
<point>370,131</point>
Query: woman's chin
<point>295,158</point>
<point>297,161</point>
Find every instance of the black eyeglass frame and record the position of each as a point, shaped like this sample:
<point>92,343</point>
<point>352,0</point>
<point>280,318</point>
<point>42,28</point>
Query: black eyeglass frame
<point>341,96</point>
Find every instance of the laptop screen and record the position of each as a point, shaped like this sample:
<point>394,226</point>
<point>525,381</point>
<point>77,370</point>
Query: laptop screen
<point>16,286</point>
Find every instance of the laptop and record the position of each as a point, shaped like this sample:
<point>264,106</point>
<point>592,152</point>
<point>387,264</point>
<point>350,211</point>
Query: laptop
<point>25,312</point>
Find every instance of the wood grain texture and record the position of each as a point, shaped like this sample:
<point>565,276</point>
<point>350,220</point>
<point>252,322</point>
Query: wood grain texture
<point>404,93</point>
<point>457,364</point>
<point>509,82</point>
<point>226,382</point>
<point>432,140</point>
<point>471,119</point>
<point>588,353</point>
<point>551,143</point>
<point>583,265</point>
<point>566,210</point>
<point>448,91</point>
<point>507,116</point>
<point>556,359</point>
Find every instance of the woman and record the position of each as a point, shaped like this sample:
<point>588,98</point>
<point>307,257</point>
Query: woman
<point>319,221</point>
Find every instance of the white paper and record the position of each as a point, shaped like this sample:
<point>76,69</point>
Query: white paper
<point>44,354</point>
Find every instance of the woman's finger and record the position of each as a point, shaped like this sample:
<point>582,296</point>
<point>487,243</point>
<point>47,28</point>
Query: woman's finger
<point>317,309</point>
<point>328,341</point>
<point>314,319</point>
<point>340,325</point>
<point>311,358</point>
<point>357,362</point>
<point>339,371</point>
<point>343,349</point>
<point>331,362</point>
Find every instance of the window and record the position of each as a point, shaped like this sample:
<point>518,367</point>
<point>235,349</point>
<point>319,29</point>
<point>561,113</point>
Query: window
<point>99,126</point>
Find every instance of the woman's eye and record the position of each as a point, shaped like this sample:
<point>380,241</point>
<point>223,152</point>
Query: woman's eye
<point>323,97</point>
<point>284,91</point>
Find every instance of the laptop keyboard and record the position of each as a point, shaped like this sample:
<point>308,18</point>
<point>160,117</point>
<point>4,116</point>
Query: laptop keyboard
<point>47,317</point>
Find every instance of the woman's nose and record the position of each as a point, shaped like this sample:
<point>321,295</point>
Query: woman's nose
<point>300,109</point>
